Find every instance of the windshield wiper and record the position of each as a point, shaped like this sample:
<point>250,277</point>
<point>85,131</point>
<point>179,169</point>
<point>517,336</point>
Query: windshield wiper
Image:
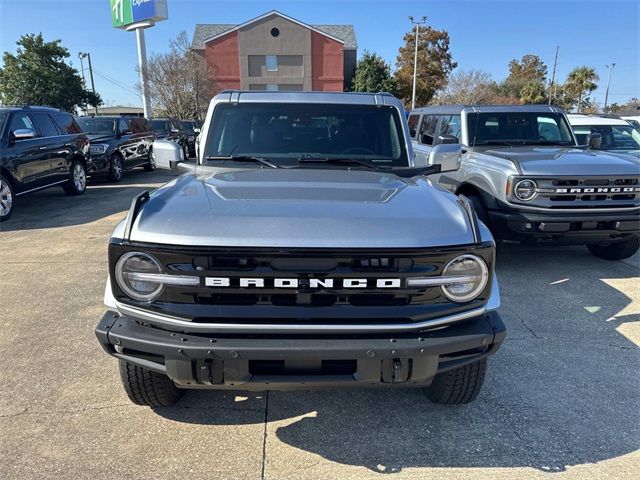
<point>545,142</point>
<point>336,161</point>
<point>243,158</point>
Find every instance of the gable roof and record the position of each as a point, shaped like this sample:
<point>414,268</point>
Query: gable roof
<point>204,32</point>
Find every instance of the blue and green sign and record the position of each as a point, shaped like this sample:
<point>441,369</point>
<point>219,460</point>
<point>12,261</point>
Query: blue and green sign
<point>127,12</point>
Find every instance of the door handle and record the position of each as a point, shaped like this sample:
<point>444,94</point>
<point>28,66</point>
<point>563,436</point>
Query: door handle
<point>43,148</point>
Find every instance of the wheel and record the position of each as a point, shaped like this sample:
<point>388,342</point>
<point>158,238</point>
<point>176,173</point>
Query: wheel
<point>151,166</point>
<point>116,168</point>
<point>6,198</point>
<point>148,388</point>
<point>77,183</point>
<point>615,250</point>
<point>458,386</point>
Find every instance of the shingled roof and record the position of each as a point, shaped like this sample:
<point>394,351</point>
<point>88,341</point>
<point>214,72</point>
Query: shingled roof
<point>204,31</point>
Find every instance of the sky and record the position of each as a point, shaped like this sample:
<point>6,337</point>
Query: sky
<point>484,35</point>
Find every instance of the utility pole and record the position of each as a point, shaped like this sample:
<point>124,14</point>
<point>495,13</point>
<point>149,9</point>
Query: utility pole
<point>606,95</point>
<point>415,59</point>
<point>82,55</point>
<point>84,82</point>
<point>552,90</point>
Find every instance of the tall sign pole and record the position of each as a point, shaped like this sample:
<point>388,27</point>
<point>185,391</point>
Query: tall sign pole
<point>606,95</point>
<point>136,16</point>
<point>415,60</point>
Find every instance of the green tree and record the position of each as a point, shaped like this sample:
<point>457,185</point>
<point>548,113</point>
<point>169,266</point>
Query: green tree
<point>580,82</point>
<point>526,80</point>
<point>38,75</point>
<point>373,75</point>
<point>434,64</point>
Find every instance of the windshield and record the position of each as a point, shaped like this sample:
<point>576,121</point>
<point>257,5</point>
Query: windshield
<point>287,133</point>
<point>518,128</point>
<point>97,126</point>
<point>160,125</point>
<point>614,137</point>
<point>188,126</point>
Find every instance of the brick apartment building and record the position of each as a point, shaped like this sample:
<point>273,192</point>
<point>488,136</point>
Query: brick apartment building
<point>277,52</point>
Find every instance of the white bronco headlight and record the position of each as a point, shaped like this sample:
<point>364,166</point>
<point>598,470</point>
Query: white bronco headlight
<point>471,274</point>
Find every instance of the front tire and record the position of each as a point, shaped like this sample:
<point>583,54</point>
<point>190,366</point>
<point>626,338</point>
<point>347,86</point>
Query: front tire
<point>151,165</point>
<point>77,183</point>
<point>615,250</point>
<point>7,196</point>
<point>148,388</point>
<point>116,168</point>
<point>458,386</point>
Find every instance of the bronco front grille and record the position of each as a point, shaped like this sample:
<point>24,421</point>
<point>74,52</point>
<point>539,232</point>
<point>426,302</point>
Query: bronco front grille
<point>587,192</point>
<point>306,301</point>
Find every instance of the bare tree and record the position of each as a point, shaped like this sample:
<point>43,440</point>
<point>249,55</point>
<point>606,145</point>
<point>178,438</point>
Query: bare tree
<point>468,87</point>
<point>179,81</point>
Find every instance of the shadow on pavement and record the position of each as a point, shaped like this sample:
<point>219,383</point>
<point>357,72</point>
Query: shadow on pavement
<point>563,390</point>
<point>53,208</point>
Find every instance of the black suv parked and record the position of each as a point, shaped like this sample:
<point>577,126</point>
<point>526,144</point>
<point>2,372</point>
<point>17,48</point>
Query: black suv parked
<point>193,130</point>
<point>40,147</point>
<point>171,129</point>
<point>119,144</point>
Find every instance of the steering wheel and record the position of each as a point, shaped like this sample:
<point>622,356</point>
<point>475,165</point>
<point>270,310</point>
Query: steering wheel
<point>363,150</point>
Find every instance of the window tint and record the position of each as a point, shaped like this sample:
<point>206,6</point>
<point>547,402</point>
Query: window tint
<point>286,132</point>
<point>45,125</point>
<point>21,120</point>
<point>124,125</point>
<point>428,129</point>
<point>614,137</point>
<point>67,123</point>
<point>518,128</point>
<point>160,126</point>
<point>413,124</point>
<point>136,125</point>
<point>450,126</point>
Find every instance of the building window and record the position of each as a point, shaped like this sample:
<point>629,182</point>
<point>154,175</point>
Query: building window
<point>275,32</point>
<point>272,88</point>
<point>272,63</point>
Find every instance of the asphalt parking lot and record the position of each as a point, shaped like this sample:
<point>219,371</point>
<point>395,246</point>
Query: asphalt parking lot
<point>562,397</point>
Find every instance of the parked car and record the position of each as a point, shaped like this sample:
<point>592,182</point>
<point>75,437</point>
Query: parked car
<point>618,135</point>
<point>528,180</point>
<point>119,143</point>
<point>192,127</point>
<point>40,147</point>
<point>633,120</point>
<point>171,129</point>
<point>301,256</point>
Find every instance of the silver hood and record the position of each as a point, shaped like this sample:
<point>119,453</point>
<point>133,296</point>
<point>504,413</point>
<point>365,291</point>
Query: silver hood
<point>556,161</point>
<point>302,208</point>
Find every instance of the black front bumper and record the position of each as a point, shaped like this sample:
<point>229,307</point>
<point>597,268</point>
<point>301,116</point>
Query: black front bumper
<point>566,228</point>
<point>290,362</point>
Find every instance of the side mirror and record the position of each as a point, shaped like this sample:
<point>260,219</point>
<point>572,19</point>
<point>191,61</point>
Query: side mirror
<point>175,130</point>
<point>167,154</point>
<point>448,139</point>
<point>126,132</point>
<point>594,140</point>
<point>446,155</point>
<point>23,134</point>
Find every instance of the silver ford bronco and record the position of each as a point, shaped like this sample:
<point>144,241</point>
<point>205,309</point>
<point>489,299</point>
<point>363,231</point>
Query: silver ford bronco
<point>304,249</point>
<point>529,180</point>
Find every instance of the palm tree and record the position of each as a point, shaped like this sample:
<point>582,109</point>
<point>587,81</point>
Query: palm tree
<point>581,82</point>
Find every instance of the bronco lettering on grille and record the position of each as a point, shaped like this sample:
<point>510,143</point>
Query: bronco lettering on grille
<point>225,282</point>
<point>598,190</point>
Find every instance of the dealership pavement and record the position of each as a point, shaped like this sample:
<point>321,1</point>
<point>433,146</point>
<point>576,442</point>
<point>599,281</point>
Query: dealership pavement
<point>562,397</point>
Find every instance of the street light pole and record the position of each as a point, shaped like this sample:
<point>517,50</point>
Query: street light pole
<point>93,87</point>
<point>415,60</point>
<point>606,95</point>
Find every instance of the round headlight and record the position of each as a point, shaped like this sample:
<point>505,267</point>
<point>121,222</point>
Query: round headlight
<point>133,263</point>
<point>525,190</point>
<point>472,276</point>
